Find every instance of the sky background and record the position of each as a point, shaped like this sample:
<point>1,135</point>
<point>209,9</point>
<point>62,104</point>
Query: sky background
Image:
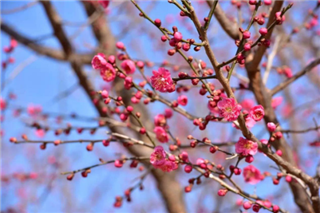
<point>43,79</point>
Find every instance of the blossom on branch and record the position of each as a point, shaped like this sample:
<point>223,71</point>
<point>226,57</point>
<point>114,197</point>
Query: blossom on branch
<point>257,113</point>
<point>162,81</point>
<point>161,134</point>
<point>107,71</point>
<point>158,160</point>
<point>251,174</point>
<point>246,147</point>
<point>229,109</point>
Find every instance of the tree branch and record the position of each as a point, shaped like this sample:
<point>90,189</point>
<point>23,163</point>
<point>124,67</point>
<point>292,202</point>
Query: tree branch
<point>284,84</point>
<point>50,52</point>
<point>230,28</point>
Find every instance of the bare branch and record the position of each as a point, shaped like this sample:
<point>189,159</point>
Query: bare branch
<point>307,69</point>
<point>230,28</point>
<point>42,50</point>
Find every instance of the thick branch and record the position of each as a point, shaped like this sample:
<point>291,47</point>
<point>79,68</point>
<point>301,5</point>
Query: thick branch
<point>42,50</point>
<point>56,24</point>
<point>264,98</point>
<point>167,184</point>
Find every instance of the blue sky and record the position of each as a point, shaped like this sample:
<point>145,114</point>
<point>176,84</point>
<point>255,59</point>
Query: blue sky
<point>45,78</point>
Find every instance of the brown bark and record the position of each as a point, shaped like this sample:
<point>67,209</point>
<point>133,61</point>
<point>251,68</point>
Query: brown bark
<point>264,98</point>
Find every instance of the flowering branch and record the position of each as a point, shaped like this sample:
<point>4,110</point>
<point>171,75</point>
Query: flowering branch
<point>284,84</point>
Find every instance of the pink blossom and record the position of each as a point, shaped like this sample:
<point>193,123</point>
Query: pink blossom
<point>161,80</point>
<point>99,61</point>
<point>314,22</point>
<point>264,141</point>
<point>250,122</point>
<point>161,134</point>
<point>251,174</point>
<point>246,147</point>
<point>288,72</point>
<point>286,110</point>
<point>120,45</point>
<point>257,113</point>
<point>40,133</point>
<point>3,104</point>
<point>52,159</point>
<point>158,157</point>
<point>104,94</point>
<point>280,19</point>
<point>13,43</point>
<point>263,31</point>
<point>104,3</point>
<point>168,166</point>
<point>229,109</point>
<point>168,113</point>
<point>267,2</point>
<point>128,83</point>
<point>276,102</point>
<point>128,66</point>
<point>33,175</point>
<point>214,110</point>
<point>246,34</point>
<point>183,100</point>
<point>159,120</point>
<point>34,110</point>
<point>222,192</point>
<point>177,36</point>
<point>108,73</point>
<point>271,126</point>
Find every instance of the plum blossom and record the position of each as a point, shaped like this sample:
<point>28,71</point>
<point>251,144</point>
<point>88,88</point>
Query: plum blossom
<point>168,166</point>
<point>159,120</point>
<point>108,73</point>
<point>247,104</point>
<point>3,104</point>
<point>276,102</point>
<point>161,80</point>
<point>280,19</point>
<point>229,109</point>
<point>183,100</point>
<point>40,133</point>
<point>251,174</point>
<point>128,82</point>
<point>257,113</point>
<point>246,147</point>
<point>158,156</point>
<point>99,61</point>
<point>104,3</point>
<point>168,113</point>
<point>288,72</point>
<point>128,66</point>
<point>158,160</point>
<point>271,126</point>
<point>250,122</point>
<point>34,110</point>
<point>161,134</point>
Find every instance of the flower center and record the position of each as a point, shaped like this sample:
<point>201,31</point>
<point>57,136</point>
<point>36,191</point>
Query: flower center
<point>158,156</point>
<point>161,82</point>
<point>250,175</point>
<point>258,114</point>
<point>229,109</point>
<point>108,74</point>
<point>247,145</point>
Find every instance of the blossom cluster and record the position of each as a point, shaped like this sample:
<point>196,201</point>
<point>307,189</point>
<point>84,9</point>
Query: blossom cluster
<point>159,159</point>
